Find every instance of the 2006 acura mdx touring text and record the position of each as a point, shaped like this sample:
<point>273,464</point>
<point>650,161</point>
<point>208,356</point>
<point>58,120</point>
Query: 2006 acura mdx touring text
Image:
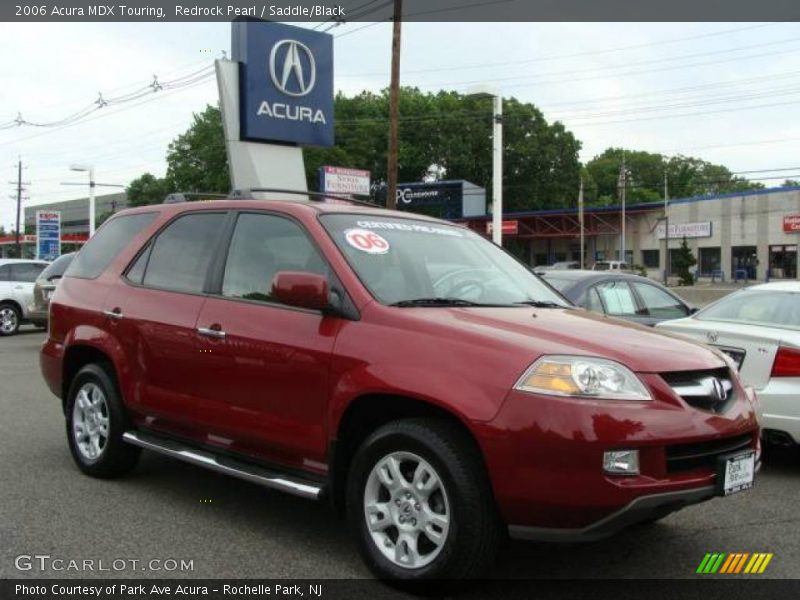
<point>403,368</point>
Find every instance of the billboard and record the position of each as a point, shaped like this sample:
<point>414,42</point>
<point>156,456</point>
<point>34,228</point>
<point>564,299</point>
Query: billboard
<point>338,180</point>
<point>285,83</point>
<point>48,234</point>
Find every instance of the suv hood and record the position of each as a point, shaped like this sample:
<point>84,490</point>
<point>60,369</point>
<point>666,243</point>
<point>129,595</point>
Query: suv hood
<point>577,332</point>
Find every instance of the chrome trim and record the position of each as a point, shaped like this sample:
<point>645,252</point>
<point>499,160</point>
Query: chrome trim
<point>238,469</point>
<point>214,333</point>
<point>703,388</point>
<point>113,314</point>
<point>636,511</point>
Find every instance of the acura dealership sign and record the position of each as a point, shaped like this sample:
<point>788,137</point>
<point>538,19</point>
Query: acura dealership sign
<point>285,83</point>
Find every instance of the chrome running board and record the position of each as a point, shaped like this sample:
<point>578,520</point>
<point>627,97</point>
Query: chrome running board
<point>223,464</point>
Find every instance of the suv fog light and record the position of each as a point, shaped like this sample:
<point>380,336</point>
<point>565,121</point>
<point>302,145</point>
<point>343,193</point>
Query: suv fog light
<point>621,462</point>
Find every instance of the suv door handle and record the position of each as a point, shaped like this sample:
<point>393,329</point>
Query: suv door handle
<point>114,314</point>
<point>210,332</point>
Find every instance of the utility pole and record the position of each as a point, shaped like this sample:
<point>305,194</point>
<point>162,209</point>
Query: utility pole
<point>580,217</point>
<point>623,179</point>
<point>394,108</point>
<point>18,197</point>
<point>666,229</point>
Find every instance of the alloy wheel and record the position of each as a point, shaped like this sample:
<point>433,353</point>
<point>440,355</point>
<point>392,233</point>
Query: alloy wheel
<point>8,320</point>
<point>90,426</point>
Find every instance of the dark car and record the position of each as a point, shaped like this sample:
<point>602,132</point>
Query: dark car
<point>403,368</point>
<point>621,295</point>
<point>45,286</point>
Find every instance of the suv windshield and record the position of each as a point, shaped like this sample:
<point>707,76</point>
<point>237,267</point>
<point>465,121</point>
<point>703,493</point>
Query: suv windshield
<point>418,263</point>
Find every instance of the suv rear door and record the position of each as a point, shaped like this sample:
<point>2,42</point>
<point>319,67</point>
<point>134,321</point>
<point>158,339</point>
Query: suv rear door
<point>152,312</point>
<point>263,366</point>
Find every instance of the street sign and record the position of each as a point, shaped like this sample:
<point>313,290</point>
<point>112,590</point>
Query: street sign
<point>285,83</point>
<point>48,234</point>
<point>338,180</point>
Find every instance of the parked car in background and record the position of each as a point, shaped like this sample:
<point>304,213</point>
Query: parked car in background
<point>44,287</point>
<point>621,295</point>
<point>16,291</point>
<point>611,265</point>
<point>759,328</point>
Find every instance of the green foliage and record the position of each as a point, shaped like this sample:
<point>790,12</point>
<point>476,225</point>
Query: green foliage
<point>683,261</point>
<point>791,183</point>
<point>196,160</point>
<point>687,176</point>
<point>147,189</point>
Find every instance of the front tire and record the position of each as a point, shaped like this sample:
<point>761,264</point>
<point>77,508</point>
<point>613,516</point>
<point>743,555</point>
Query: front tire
<point>421,505</point>
<point>10,317</point>
<point>96,420</point>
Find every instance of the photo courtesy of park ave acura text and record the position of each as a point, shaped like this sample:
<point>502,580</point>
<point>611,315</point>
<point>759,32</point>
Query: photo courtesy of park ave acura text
<point>386,299</point>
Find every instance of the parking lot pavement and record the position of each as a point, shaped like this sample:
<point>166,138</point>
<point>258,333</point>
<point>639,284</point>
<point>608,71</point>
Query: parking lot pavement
<point>230,528</point>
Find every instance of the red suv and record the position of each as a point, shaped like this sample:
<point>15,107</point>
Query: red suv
<point>403,368</point>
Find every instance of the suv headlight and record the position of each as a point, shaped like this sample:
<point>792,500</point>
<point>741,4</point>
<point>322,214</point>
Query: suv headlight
<point>582,376</point>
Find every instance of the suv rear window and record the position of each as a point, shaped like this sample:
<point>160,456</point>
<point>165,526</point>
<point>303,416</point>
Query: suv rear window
<point>106,244</point>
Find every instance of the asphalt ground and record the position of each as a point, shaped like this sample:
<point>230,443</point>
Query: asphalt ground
<point>232,529</point>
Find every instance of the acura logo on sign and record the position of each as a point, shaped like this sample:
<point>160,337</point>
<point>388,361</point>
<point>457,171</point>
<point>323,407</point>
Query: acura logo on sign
<point>292,77</point>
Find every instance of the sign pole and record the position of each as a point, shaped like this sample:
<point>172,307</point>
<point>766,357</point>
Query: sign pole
<point>666,230</point>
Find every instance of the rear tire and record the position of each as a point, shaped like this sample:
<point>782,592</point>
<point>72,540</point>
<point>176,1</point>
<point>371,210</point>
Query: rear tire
<point>420,504</point>
<point>96,420</point>
<point>10,317</point>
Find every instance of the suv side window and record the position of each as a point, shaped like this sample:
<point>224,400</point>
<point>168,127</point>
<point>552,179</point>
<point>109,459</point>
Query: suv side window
<point>180,255</point>
<point>106,244</point>
<point>261,246</point>
<point>26,272</point>
<point>5,273</point>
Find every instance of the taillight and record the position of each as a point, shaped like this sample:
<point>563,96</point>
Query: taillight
<point>787,363</point>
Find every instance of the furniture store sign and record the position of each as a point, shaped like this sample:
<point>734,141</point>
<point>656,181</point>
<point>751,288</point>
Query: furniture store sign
<point>338,180</point>
<point>686,230</point>
<point>285,83</point>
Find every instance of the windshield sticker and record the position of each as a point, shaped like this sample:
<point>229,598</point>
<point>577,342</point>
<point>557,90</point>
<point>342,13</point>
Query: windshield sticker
<point>366,241</point>
<point>416,227</point>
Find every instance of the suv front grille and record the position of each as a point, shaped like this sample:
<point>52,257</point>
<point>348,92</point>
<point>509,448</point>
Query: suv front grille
<point>707,390</point>
<point>703,455</point>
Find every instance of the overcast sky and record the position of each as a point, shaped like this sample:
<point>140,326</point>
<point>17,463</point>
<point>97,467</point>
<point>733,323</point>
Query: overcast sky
<point>727,92</point>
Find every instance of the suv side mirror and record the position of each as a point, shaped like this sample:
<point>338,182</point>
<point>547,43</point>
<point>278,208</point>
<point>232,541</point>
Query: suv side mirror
<point>301,289</point>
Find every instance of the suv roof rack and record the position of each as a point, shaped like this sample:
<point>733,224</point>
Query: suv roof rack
<point>177,197</point>
<point>313,196</point>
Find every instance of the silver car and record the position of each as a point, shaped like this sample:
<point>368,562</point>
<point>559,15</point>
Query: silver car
<point>17,277</point>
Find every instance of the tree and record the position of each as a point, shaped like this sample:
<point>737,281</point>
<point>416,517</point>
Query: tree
<point>791,183</point>
<point>196,160</point>
<point>683,261</point>
<point>148,189</point>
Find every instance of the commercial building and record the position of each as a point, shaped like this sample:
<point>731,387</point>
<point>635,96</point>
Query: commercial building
<point>75,213</point>
<point>752,235</point>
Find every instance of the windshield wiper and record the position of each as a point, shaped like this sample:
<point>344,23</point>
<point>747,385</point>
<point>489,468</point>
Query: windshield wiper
<point>438,302</point>
<point>542,304</point>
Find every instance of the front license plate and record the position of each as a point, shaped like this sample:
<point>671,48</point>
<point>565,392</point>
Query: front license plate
<point>735,473</point>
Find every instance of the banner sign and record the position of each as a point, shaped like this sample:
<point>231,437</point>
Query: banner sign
<point>48,234</point>
<point>285,83</point>
<point>685,230</point>
<point>791,224</point>
<point>338,180</point>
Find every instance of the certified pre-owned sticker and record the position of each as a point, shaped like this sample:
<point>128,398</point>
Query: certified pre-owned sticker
<point>366,241</point>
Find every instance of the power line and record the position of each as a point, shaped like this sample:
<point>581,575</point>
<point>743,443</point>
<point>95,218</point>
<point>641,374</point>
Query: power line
<point>570,55</point>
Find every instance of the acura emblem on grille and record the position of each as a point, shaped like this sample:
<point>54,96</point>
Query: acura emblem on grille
<point>712,336</point>
<point>719,390</point>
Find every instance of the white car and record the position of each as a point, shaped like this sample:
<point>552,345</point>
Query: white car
<point>16,291</point>
<point>759,328</point>
<point>611,265</point>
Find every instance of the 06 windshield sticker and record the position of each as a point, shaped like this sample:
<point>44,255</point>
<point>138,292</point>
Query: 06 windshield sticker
<point>415,227</point>
<point>366,241</point>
